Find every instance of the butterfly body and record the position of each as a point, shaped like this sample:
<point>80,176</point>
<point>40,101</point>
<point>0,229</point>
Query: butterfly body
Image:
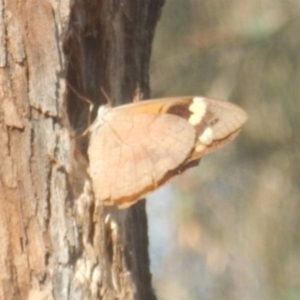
<point>137,147</point>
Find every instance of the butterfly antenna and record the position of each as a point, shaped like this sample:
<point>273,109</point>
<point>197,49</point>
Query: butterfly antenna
<point>82,134</point>
<point>108,100</point>
<point>88,101</point>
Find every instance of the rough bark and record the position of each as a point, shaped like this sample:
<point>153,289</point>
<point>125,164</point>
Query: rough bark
<point>56,243</point>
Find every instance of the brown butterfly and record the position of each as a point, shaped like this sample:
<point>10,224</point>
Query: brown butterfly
<point>136,148</point>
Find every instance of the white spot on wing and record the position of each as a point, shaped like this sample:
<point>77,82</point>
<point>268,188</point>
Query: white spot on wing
<point>198,109</point>
<point>198,100</point>
<point>200,148</point>
<point>207,136</point>
<point>194,119</point>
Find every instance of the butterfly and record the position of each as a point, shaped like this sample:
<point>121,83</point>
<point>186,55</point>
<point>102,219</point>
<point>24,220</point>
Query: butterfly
<point>136,148</point>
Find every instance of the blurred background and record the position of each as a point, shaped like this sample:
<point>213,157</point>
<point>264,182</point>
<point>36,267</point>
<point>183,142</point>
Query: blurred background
<point>229,229</point>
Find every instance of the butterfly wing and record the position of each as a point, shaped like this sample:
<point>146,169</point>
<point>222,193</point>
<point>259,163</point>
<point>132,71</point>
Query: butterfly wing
<point>138,147</point>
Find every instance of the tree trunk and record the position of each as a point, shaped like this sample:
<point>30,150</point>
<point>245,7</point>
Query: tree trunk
<point>56,241</point>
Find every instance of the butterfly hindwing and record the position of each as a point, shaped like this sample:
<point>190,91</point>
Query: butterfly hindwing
<point>131,153</point>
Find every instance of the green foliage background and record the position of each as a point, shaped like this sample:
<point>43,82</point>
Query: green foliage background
<point>231,231</point>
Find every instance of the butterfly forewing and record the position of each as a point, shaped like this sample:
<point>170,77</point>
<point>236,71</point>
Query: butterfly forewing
<point>136,148</point>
